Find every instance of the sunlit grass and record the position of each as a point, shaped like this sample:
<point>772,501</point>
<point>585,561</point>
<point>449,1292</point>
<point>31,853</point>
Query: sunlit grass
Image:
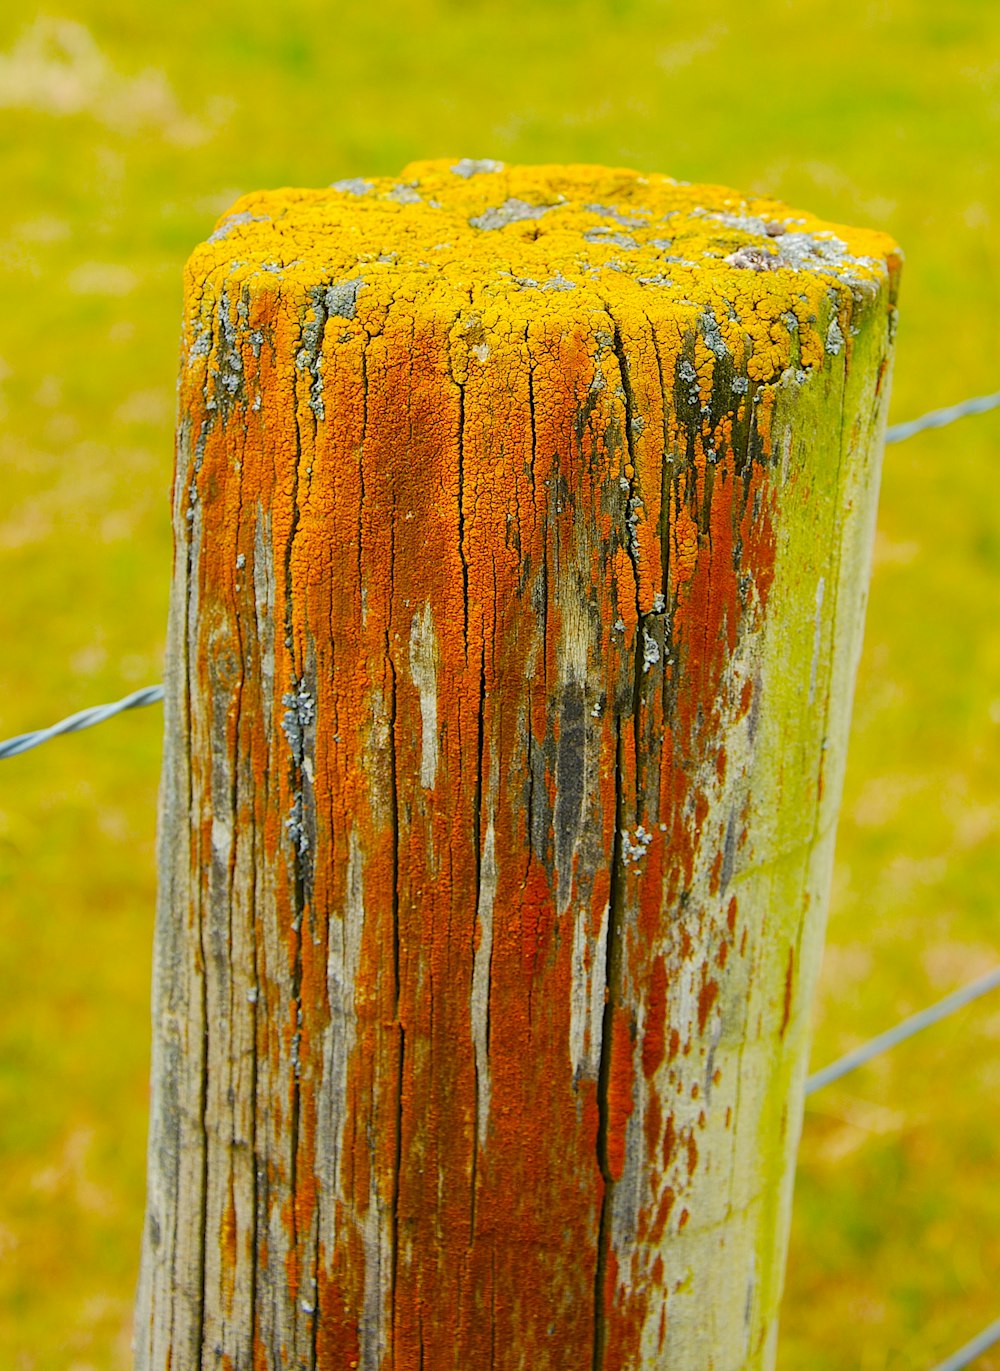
<point>123,138</point>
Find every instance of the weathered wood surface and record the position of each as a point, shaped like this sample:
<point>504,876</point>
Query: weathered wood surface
<point>522,532</point>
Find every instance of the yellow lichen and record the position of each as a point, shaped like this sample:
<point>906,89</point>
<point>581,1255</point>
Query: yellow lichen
<point>758,281</point>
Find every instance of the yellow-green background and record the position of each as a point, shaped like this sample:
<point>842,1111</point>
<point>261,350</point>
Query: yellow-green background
<point>124,130</point>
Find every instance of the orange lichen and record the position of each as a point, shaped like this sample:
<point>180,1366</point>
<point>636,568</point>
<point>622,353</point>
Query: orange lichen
<point>620,1097</point>
<point>476,504</point>
<point>654,1039</point>
<point>707,996</point>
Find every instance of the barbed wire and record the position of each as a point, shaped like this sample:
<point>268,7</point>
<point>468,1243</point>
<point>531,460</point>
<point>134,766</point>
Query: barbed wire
<point>934,1013</point>
<point>86,718</point>
<point>938,418</point>
<point>968,1354</point>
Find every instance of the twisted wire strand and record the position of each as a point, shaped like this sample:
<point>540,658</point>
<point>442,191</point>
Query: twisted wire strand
<point>968,1354</point>
<point>938,418</point>
<point>934,1013</point>
<point>86,718</point>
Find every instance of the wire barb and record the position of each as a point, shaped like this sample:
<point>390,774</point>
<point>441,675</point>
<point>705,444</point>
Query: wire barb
<point>933,1014</point>
<point>937,418</point>
<point>968,1354</point>
<point>86,718</point>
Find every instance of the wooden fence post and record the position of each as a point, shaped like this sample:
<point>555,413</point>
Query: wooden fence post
<point>523,520</point>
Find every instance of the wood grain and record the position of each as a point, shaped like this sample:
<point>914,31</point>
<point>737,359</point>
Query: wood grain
<point>522,520</point>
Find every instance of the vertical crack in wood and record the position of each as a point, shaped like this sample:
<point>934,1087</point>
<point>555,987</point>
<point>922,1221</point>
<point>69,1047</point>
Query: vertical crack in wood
<point>477,931</point>
<point>463,554</point>
<point>531,416</point>
<point>317,411</point>
<point>663,531</point>
<point>194,571</point>
<point>361,473</point>
<point>631,545</point>
<point>396,989</point>
<point>252,1312</point>
<point>265,630</point>
<point>614,953</point>
<point>612,959</point>
<point>298,894</point>
<point>233,962</point>
<point>539,602</point>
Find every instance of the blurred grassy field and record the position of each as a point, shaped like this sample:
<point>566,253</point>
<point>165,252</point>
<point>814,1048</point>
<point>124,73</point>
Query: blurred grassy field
<point>124,131</point>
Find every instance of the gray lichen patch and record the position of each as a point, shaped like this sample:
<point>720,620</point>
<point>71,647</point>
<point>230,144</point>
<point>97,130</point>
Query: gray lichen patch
<point>235,221</point>
<point>341,299</point>
<point>356,185</point>
<point>300,714</point>
<point>404,194</point>
<point>713,335</point>
<point>744,223</point>
<point>687,374</point>
<point>512,211</point>
<point>224,380</point>
<point>634,845</point>
<point>201,343</point>
<point>296,826</point>
<point>470,166</point>
<point>626,220</point>
<point>611,237</point>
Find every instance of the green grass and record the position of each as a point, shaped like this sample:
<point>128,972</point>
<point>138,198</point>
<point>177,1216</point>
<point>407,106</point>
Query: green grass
<point>885,114</point>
